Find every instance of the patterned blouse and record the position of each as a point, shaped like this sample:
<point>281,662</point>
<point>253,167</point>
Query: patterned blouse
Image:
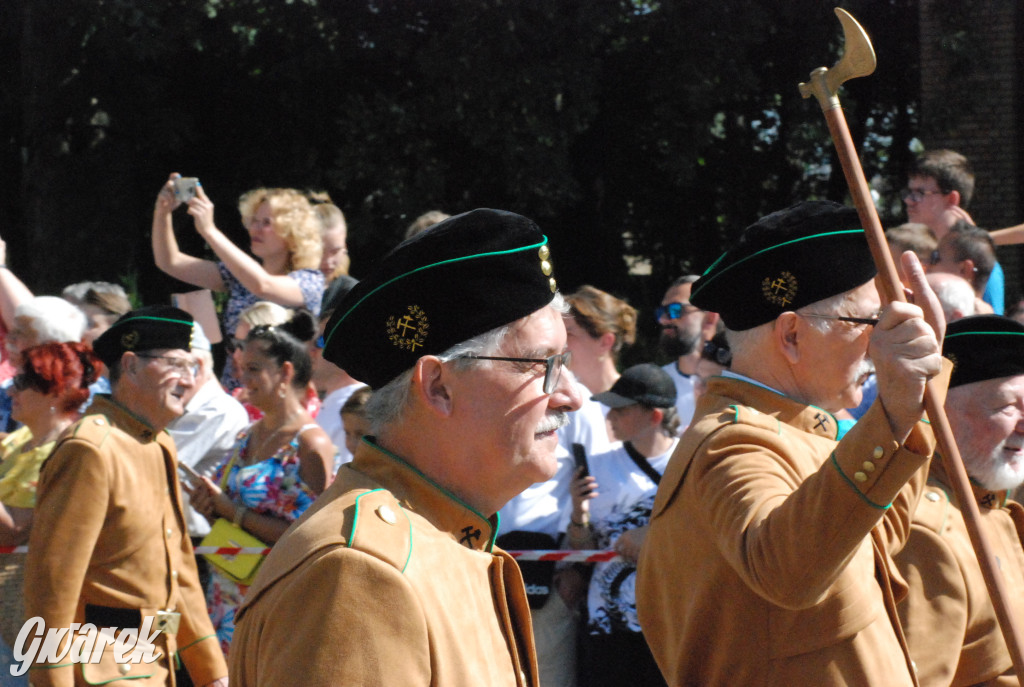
<point>269,487</point>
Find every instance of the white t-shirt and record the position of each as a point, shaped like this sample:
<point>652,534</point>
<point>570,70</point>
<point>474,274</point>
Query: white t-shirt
<point>205,436</point>
<point>624,502</point>
<point>685,401</point>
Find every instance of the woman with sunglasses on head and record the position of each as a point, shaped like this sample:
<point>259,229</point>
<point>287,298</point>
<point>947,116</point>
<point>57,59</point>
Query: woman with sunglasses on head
<point>280,463</point>
<point>47,394</point>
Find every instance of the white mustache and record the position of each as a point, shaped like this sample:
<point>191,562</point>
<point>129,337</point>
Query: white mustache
<point>554,421</point>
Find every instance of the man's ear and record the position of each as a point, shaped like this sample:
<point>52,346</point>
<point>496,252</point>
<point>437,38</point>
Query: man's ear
<point>953,197</point>
<point>787,335</point>
<point>129,363</point>
<point>710,326</point>
<point>966,269</point>
<point>607,341</point>
<point>430,385</point>
<point>657,415</point>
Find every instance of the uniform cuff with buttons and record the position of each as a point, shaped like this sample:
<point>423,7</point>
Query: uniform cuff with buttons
<point>874,464</point>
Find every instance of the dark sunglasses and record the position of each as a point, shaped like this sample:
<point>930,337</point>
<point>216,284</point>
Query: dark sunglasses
<point>674,310</point>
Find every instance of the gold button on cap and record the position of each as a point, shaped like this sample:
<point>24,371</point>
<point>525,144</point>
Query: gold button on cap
<point>386,514</point>
<point>860,477</point>
<point>125,668</point>
<point>545,267</point>
<point>878,452</point>
<point>174,574</point>
<point>868,466</point>
<point>552,284</point>
<point>544,253</point>
<point>170,533</point>
<point>932,496</point>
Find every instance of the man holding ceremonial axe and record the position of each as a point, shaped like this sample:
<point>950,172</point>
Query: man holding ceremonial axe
<point>769,555</point>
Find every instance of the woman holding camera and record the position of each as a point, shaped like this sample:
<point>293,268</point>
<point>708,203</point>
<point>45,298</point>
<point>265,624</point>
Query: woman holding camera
<point>284,237</point>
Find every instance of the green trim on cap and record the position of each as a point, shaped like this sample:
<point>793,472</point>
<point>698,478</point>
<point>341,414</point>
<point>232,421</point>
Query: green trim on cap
<point>156,319</point>
<point>327,339</point>
<point>953,336</point>
<point>765,250</point>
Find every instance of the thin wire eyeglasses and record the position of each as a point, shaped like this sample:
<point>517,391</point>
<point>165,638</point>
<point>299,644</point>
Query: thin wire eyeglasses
<point>181,366</point>
<point>552,370</point>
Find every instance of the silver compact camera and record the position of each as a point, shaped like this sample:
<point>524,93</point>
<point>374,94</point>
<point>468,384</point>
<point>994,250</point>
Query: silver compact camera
<point>185,188</point>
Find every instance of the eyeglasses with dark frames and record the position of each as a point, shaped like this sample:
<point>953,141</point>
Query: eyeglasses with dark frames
<point>916,195</point>
<point>674,310</point>
<point>552,370</point>
<point>181,366</point>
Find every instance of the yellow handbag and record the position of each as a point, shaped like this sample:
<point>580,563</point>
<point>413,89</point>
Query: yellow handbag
<point>240,567</point>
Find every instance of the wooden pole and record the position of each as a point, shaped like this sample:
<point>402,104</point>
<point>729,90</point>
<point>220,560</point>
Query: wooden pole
<point>823,85</point>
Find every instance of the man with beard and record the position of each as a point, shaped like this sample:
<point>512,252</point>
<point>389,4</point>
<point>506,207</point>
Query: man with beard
<point>948,617</point>
<point>109,546</point>
<point>392,576</point>
<point>684,330</point>
<point>768,559</point>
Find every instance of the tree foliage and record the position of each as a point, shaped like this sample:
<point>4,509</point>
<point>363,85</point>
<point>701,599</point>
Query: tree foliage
<point>656,130</point>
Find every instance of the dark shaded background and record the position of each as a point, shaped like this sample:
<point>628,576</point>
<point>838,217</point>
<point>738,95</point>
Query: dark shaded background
<point>655,129</point>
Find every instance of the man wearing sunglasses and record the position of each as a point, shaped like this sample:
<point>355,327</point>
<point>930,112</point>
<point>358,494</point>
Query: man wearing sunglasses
<point>392,576</point>
<point>109,545</point>
<point>684,330</point>
<point>768,559</point>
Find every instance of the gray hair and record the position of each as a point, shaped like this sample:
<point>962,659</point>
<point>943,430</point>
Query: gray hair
<point>741,342</point>
<point>387,404</point>
<point>54,319</point>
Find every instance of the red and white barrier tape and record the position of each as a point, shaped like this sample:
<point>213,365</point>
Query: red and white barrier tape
<point>570,556</point>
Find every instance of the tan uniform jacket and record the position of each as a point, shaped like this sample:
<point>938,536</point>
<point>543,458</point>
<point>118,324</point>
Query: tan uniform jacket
<point>770,564</point>
<point>386,580</point>
<point>108,530</point>
<point>948,617</point>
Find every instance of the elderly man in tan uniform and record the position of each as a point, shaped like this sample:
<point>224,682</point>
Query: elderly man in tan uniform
<point>948,617</point>
<point>392,576</point>
<point>769,555</point>
<point>109,545</point>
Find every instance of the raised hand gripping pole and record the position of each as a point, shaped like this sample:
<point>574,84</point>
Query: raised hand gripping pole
<point>859,60</point>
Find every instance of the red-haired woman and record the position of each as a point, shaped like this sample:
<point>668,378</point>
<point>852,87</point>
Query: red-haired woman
<point>47,394</point>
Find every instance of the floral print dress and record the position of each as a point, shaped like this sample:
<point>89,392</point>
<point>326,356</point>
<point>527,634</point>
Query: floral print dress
<point>270,487</point>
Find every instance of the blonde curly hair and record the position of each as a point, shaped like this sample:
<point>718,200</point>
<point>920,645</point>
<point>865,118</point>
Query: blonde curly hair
<point>294,221</point>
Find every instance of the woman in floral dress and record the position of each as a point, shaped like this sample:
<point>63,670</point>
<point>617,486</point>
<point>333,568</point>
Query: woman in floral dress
<point>279,464</point>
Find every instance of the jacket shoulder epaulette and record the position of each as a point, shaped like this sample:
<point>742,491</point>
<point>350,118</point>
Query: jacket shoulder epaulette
<point>381,528</point>
<point>745,415</point>
<point>93,429</point>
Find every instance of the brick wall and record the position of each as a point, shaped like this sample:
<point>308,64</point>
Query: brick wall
<point>972,91</point>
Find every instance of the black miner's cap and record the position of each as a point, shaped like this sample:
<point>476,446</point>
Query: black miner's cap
<point>146,329</point>
<point>645,383</point>
<point>791,258</point>
<point>458,279</point>
<point>984,347</point>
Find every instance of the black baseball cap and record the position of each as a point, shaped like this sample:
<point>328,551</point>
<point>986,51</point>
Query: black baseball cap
<point>646,384</point>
